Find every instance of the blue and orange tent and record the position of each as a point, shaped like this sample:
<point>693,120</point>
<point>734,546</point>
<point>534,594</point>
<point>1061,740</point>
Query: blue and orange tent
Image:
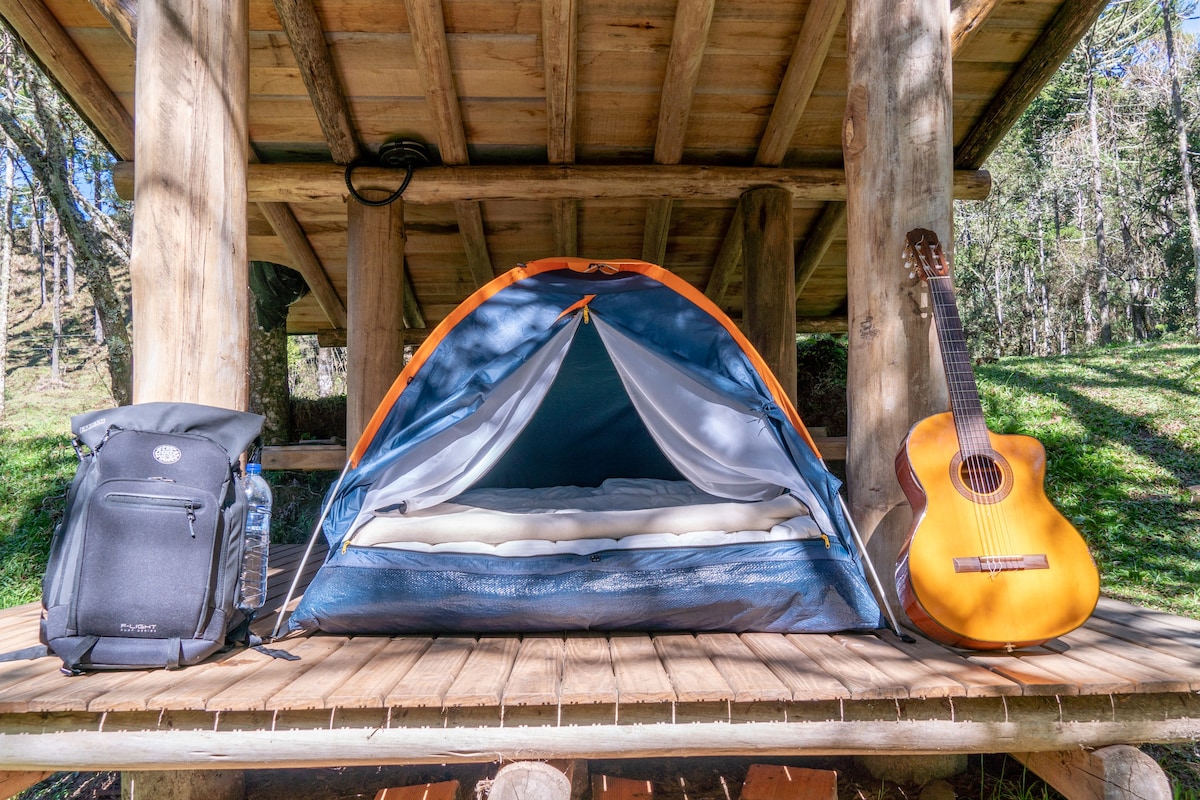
<point>569,372</point>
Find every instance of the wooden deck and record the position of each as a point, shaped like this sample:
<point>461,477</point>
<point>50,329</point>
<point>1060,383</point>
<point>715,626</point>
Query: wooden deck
<point>1129,676</point>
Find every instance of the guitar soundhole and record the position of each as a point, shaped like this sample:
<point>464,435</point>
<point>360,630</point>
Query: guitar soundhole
<point>982,477</point>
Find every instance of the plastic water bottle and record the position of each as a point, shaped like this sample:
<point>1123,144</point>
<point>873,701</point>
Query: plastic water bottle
<point>258,539</point>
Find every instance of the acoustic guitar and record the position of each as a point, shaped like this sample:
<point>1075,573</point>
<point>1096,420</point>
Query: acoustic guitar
<point>989,563</point>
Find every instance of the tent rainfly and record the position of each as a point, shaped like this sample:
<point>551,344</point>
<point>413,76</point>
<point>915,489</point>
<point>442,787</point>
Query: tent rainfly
<point>586,446</point>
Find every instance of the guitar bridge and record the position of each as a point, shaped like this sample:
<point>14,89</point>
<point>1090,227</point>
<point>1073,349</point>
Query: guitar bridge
<point>1001,563</point>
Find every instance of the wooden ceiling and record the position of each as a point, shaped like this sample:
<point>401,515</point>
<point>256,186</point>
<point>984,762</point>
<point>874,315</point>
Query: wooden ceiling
<point>600,128</point>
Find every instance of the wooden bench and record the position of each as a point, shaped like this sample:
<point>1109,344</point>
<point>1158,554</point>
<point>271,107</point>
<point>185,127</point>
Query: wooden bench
<point>1129,676</point>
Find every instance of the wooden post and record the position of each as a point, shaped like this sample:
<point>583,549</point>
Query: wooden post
<point>198,784</point>
<point>1116,772</point>
<point>897,146</point>
<point>375,313</point>
<point>770,281</point>
<point>189,261</point>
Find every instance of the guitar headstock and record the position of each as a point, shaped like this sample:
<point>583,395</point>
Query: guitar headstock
<point>923,255</point>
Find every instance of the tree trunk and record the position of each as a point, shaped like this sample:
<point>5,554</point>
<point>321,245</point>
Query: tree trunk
<point>1104,334</point>
<point>6,248</point>
<point>269,394</point>
<point>56,250</point>
<point>1185,164</point>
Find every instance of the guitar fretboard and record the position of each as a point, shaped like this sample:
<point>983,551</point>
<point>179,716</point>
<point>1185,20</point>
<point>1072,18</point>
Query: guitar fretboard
<point>964,394</point>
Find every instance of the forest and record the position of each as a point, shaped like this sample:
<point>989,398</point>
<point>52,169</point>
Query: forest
<point>1091,234</point>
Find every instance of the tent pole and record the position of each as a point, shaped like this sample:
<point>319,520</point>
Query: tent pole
<point>312,540</point>
<point>866,558</point>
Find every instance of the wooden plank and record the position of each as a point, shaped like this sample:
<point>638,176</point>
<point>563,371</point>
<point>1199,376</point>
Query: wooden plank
<point>921,679</point>
<point>588,676</point>
<point>804,677</point>
<point>12,783</point>
<point>482,679</point>
<point>693,675</point>
<point>658,225</point>
<point>535,675</point>
<point>864,680</point>
<point>777,782</point>
<point>750,679</point>
<point>640,675</point>
<point>304,456</point>
<point>446,790</point>
<point>609,787</point>
<point>1042,672</point>
<point>1144,671</point>
<point>976,680</point>
<point>304,33</point>
<point>1149,648</point>
<point>301,182</point>
<point>967,18</point>
<point>312,689</point>
<point>808,57</point>
<point>425,684</point>
<point>207,681</point>
<point>53,691</point>
<point>729,258</point>
<point>370,688</point>
<point>252,691</point>
<point>470,225</point>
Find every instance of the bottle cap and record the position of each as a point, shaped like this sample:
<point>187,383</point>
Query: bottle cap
<point>253,468</point>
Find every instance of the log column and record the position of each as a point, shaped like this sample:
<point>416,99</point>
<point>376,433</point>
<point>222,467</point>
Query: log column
<point>897,144</point>
<point>375,309</point>
<point>770,290</point>
<point>188,261</point>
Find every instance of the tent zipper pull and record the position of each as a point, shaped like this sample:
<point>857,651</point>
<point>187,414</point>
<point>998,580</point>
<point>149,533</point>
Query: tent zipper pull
<point>586,318</point>
<point>825,539</point>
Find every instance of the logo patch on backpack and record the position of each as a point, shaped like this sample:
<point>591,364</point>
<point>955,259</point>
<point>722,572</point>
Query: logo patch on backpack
<point>167,454</point>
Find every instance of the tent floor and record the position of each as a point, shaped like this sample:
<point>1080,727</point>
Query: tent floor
<point>1130,675</point>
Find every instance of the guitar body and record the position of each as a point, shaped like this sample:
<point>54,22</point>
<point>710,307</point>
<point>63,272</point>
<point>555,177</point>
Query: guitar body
<point>989,562</point>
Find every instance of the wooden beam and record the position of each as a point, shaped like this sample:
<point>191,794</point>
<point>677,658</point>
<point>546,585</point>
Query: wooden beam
<point>304,32</point>
<point>559,51</point>
<point>729,258</point>
<point>188,264</point>
<point>375,329</point>
<point>804,67</point>
<point>305,260</point>
<point>830,324</point>
<point>413,316</point>
<point>689,35</point>
<point>831,222</point>
<point>67,66</point>
<point>1110,773</point>
<point>966,20</point>
<point>428,27</point>
<point>305,182</point>
<point>769,312</point>
<point>1069,25</point>
<point>121,14</point>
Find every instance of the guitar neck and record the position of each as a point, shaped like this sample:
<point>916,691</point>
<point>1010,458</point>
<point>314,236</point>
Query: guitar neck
<point>964,393</point>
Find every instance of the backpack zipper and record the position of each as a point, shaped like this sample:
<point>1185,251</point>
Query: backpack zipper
<point>187,504</point>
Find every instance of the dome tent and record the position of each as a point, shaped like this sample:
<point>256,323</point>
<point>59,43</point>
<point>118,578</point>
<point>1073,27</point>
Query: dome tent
<point>678,488</point>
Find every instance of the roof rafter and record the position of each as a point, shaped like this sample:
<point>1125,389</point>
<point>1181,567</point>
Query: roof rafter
<point>804,67</point>
<point>307,38</point>
<point>1073,19</point>
<point>689,36</point>
<point>428,27</point>
<point>559,51</point>
<point>70,69</point>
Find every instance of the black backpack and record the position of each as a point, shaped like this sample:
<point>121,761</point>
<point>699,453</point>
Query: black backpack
<point>144,567</point>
